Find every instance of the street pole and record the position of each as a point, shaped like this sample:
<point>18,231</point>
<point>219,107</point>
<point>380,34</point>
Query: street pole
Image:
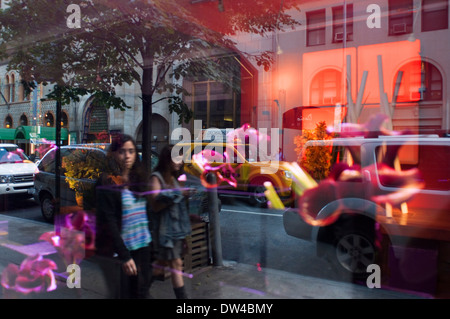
<point>57,165</point>
<point>215,222</point>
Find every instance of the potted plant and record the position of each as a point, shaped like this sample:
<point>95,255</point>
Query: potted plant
<point>316,161</point>
<point>81,169</point>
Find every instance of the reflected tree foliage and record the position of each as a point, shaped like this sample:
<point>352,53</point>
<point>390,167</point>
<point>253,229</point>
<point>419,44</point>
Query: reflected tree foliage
<point>120,42</point>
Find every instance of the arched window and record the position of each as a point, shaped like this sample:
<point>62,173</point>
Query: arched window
<point>13,88</point>
<point>6,91</point>
<point>420,92</point>
<point>421,81</point>
<point>64,120</point>
<point>95,123</point>
<point>326,88</point>
<point>23,120</point>
<point>49,120</point>
<point>98,120</point>
<point>8,121</point>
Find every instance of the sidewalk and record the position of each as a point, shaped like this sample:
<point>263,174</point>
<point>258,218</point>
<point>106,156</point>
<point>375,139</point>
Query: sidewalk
<point>241,281</point>
<point>231,281</point>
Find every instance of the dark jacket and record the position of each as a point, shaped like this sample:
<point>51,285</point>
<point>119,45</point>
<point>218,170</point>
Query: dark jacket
<point>109,221</point>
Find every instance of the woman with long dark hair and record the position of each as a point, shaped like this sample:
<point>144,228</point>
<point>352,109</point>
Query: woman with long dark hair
<point>170,217</point>
<point>123,227</point>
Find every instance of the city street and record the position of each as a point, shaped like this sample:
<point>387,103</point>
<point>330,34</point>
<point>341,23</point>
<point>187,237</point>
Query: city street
<point>256,236</point>
<point>253,240</point>
<point>250,235</point>
<point>22,208</point>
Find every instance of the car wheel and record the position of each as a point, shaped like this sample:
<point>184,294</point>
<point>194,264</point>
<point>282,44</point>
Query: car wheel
<point>354,252</point>
<point>257,196</point>
<point>48,208</point>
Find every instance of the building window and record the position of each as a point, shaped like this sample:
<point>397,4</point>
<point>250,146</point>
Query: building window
<point>64,120</point>
<point>49,120</point>
<point>21,93</point>
<point>225,103</point>
<point>432,82</point>
<point>315,27</point>
<point>6,91</point>
<point>421,81</point>
<point>326,88</point>
<point>339,22</point>
<point>96,125</point>
<point>23,120</point>
<point>214,105</point>
<point>434,15</point>
<point>13,88</point>
<point>400,16</point>
<point>8,122</point>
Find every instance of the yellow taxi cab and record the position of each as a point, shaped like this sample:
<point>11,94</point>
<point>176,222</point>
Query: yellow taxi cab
<point>242,167</point>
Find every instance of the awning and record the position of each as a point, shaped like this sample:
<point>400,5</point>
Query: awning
<point>35,133</point>
<point>7,134</point>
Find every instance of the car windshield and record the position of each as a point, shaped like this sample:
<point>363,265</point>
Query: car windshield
<point>12,155</point>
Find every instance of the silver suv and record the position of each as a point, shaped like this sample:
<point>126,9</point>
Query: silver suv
<point>361,224</point>
<point>16,171</point>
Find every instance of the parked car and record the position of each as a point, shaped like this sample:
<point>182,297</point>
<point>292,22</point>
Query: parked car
<point>16,171</point>
<point>350,242</point>
<point>80,166</point>
<point>249,172</point>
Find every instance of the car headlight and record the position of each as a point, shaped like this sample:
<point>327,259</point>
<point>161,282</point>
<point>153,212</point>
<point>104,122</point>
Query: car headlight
<point>288,174</point>
<point>6,179</point>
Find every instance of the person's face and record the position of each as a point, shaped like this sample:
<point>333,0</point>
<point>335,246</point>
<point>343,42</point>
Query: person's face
<point>176,163</point>
<point>127,154</point>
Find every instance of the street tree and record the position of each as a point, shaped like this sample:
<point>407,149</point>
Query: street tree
<point>94,46</point>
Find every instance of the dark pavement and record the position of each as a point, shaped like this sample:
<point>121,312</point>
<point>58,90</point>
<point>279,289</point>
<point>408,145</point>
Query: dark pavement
<point>19,238</point>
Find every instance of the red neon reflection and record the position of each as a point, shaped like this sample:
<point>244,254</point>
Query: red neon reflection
<point>325,73</point>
